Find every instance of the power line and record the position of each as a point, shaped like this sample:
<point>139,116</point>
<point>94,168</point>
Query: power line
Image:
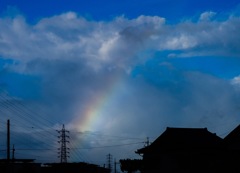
<point>17,108</point>
<point>109,146</point>
<point>87,148</point>
<point>105,135</point>
<point>35,129</point>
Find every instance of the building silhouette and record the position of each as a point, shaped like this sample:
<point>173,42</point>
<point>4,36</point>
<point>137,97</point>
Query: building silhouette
<point>179,150</point>
<point>80,167</point>
<point>19,166</point>
<point>28,166</point>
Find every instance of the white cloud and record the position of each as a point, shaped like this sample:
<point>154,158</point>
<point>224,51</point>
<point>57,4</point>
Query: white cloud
<point>180,42</point>
<point>236,80</point>
<point>206,16</point>
<point>98,44</point>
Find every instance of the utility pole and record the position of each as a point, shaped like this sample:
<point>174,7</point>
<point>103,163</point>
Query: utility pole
<point>8,140</point>
<point>115,165</point>
<point>147,143</point>
<point>64,151</point>
<point>109,162</point>
<point>13,153</point>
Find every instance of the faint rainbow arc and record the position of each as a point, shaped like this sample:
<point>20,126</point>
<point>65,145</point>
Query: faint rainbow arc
<point>91,113</point>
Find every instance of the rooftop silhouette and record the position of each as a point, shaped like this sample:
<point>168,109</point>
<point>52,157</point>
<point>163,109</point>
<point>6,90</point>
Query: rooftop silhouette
<point>188,149</point>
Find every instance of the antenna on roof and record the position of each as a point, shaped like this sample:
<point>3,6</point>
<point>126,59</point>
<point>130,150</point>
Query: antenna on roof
<point>147,143</point>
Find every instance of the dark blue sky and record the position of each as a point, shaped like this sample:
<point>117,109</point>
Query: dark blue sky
<point>172,10</point>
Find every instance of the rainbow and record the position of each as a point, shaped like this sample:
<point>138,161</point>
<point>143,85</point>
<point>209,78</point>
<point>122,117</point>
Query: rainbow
<point>95,114</point>
<point>92,116</point>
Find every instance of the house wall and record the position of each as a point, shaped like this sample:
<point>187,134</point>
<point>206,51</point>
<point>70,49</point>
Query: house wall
<point>181,161</point>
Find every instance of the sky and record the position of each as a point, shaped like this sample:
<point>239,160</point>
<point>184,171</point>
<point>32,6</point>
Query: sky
<point>115,73</point>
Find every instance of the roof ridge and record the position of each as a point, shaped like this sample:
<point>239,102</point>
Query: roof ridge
<point>188,128</point>
<point>233,133</point>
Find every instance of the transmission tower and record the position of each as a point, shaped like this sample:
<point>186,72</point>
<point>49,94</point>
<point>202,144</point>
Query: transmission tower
<point>109,162</point>
<point>64,151</point>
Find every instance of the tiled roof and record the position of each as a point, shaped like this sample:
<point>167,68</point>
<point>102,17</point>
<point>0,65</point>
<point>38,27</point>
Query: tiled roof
<point>183,138</point>
<point>235,134</point>
<point>232,140</point>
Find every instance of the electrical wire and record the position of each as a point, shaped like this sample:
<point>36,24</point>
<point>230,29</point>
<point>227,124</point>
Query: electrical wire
<point>35,134</point>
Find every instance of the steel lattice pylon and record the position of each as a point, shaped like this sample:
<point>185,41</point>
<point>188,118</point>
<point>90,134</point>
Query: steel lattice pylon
<point>64,151</point>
